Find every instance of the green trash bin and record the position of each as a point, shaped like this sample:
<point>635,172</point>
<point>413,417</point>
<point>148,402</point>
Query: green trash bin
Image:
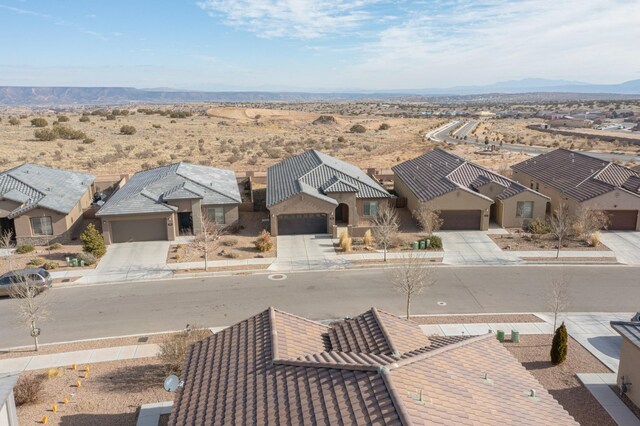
<point>423,244</point>
<point>427,243</point>
<point>515,336</point>
<point>415,245</point>
<point>75,262</point>
<point>500,335</point>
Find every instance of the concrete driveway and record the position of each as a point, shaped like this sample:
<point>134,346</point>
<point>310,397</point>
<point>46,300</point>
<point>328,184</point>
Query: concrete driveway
<point>625,245</point>
<point>306,252</point>
<point>473,248</point>
<point>126,261</point>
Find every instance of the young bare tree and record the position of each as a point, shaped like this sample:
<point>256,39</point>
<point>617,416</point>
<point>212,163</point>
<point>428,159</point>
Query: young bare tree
<point>558,296</point>
<point>386,227</point>
<point>6,238</point>
<point>32,306</point>
<point>411,278</point>
<point>588,221</point>
<point>561,224</point>
<point>428,218</point>
<point>209,239</point>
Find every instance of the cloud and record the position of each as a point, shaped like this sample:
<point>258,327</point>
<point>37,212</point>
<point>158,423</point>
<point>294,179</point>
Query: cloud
<point>301,19</point>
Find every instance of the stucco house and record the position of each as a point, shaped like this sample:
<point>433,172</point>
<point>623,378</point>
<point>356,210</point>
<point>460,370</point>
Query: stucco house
<point>629,369</point>
<point>310,192</point>
<point>8,414</point>
<point>166,202</point>
<point>468,196</point>
<point>581,181</point>
<point>41,205</point>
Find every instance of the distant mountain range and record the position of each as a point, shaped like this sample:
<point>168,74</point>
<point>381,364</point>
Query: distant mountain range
<point>535,89</point>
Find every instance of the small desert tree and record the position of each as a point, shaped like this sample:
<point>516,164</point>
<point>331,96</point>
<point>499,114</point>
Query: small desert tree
<point>93,242</point>
<point>174,348</point>
<point>428,218</point>
<point>560,345</point>
<point>6,238</point>
<point>208,239</point>
<point>386,227</point>
<point>32,307</point>
<point>558,296</point>
<point>589,221</point>
<point>411,278</point>
<point>561,224</point>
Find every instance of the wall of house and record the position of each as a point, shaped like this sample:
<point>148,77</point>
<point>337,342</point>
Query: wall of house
<point>630,369</point>
<point>7,207</point>
<point>360,208</point>
<point>172,223</point>
<point>403,191</point>
<point>231,213</point>
<point>506,210</point>
<point>348,198</point>
<point>300,204</point>
<point>556,197</point>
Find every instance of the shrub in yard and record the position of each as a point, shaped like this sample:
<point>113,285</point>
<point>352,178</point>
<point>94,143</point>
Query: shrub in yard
<point>345,245</point>
<point>36,261</point>
<point>594,239</point>
<point>93,242</point>
<point>173,349</point>
<point>435,242</point>
<point>264,242</point>
<point>55,246</point>
<point>367,240</point>
<point>233,255</point>
<point>230,242</point>
<point>50,265</point>
<point>539,227</point>
<point>343,236</point>
<point>25,248</point>
<point>39,122</point>
<point>358,128</point>
<point>128,130</point>
<point>27,390</point>
<point>560,345</point>
<point>45,135</point>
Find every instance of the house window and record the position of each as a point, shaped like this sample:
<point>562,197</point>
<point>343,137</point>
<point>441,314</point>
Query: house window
<point>42,225</point>
<point>216,214</point>
<point>370,208</point>
<point>524,209</point>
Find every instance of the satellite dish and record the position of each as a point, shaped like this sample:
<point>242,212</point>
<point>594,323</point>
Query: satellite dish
<point>171,383</point>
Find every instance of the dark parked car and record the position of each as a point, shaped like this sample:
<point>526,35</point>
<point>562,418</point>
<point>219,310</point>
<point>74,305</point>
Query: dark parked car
<point>36,277</point>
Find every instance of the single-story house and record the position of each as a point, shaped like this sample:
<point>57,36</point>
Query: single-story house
<point>168,201</point>
<point>629,369</point>
<point>41,205</point>
<point>467,195</point>
<point>310,192</point>
<point>581,181</point>
<point>8,414</point>
<point>276,368</point>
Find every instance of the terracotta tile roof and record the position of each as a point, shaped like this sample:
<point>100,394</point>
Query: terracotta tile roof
<point>280,369</point>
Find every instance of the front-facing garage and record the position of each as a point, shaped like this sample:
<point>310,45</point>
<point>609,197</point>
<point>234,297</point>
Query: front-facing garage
<point>304,223</point>
<point>459,220</point>
<point>622,220</point>
<point>134,230</point>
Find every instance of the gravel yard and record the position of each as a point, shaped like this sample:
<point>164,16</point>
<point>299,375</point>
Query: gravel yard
<point>561,381</point>
<point>474,319</point>
<point>524,241</point>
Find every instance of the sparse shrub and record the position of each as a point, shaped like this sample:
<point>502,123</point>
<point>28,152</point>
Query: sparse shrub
<point>84,119</point>
<point>14,121</point>
<point>88,258</point>
<point>50,265</point>
<point>559,345</point>
<point>594,239</point>
<point>45,135</point>
<point>343,236</point>
<point>345,245</point>
<point>341,139</point>
<point>39,122</point>
<point>435,242</point>
<point>25,248</point>
<point>231,242</point>
<point>156,126</point>
<point>128,130</point>
<point>53,373</point>
<point>93,242</point>
<point>111,117</point>
<point>27,390</point>
<point>384,126</point>
<point>36,261</point>
<point>88,141</point>
<point>65,132</point>
<point>174,348</point>
<point>264,243</point>
<point>63,119</point>
<point>233,254</point>
<point>367,240</point>
<point>357,128</point>
<point>539,227</point>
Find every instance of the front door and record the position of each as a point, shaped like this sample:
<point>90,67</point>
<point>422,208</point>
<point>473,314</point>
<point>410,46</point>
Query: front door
<point>185,223</point>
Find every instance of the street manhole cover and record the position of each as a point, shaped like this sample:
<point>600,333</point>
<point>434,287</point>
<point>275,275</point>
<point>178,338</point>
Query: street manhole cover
<point>277,277</point>
<point>441,303</point>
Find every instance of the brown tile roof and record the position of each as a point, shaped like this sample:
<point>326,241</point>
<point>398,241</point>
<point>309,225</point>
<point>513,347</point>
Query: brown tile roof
<point>578,175</point>
<point>280,369</point>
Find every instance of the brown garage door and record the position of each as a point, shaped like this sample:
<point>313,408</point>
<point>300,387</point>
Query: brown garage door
<point>295,224</point>
<point>123,231</point>
<point>460,219</point>
<point>622,220</point>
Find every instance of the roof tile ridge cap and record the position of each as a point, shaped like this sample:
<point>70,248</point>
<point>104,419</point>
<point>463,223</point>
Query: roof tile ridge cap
<point>385,332</point>
<point>299,317</point>
<point>324,364</point>
<point>24,183</point>
<point>22,210</point>
<point>396,399</point>
<point>594,176</point>
<point>597,174</point>
<point>437,351</point>
<point>274,334</point>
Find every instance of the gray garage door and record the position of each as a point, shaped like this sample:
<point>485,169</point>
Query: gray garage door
<point>622,220</point>
<point>461,219</point>
<point>294,224</point>
<point>124,231</point>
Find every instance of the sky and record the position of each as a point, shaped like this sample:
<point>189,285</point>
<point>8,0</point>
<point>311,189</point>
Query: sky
<point>315,45</point>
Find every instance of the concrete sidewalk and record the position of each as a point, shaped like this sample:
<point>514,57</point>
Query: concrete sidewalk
<point>484,328</point>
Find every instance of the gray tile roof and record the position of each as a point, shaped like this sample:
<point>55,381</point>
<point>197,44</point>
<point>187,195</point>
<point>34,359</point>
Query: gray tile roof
<point>578,175</point>
<point>316,174</point>
<point>628,329</point>
<point>438,172</point>
<point>38,186</point>
<point>148,191</point>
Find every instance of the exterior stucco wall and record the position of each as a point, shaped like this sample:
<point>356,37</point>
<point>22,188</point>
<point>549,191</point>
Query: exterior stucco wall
<point>360,208</point>
<point>348,198</point>
<point>506,209</point>
<point>300,204</point>
<point>7,207</point>
<point>556,196</point>
<point>630,369</point>
<point>231,213</point>
<point>172,223</point>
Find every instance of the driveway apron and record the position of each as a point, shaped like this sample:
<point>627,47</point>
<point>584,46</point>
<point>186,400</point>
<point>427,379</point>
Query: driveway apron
<point>306,252</point>
<point>625,245</point>
<point>473,248</point>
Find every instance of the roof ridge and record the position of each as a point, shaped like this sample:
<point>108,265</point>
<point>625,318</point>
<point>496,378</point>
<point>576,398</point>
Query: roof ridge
<point>385,332</point>
<point>396,398</point>
<point>319,364</point>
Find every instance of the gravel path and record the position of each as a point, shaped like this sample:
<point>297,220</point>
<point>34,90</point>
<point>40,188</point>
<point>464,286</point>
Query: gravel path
<point>475,319</point>
<point>561,381</point>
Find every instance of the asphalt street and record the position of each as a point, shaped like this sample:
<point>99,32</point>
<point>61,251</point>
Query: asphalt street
<point>82,312</point>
